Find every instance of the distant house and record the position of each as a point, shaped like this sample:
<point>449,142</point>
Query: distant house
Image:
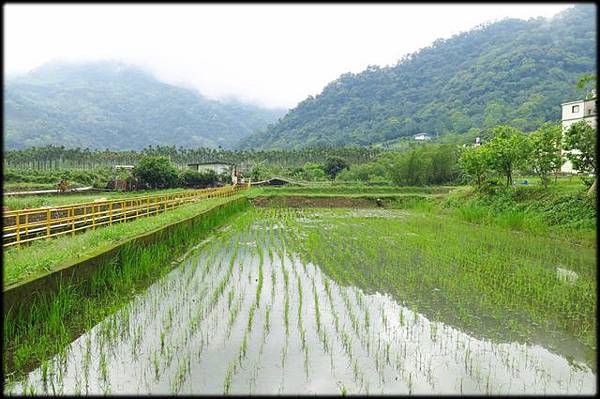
<point>575,111</point>
<point>218,167</point>
<point>422,137</point>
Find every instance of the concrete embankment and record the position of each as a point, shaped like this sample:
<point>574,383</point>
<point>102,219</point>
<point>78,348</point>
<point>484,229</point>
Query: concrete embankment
<point>21,296</point>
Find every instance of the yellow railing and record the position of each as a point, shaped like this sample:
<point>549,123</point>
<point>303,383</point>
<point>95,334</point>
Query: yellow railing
<point>26,225</point>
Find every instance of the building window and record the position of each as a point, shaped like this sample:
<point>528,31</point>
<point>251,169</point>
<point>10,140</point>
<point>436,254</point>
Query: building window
<point>575,109</point>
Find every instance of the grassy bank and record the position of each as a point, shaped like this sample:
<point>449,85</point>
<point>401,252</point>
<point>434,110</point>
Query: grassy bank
<point>57,319</point>
<point>46,255</point>
<point>37,201</point>
<point>561,211</point>
<point>29,186</point>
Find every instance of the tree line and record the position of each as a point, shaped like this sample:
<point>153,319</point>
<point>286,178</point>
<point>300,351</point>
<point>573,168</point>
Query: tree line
<point>58,157</point>
<point>542,152</point>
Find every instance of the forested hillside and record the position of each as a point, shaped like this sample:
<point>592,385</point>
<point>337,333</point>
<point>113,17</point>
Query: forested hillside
<point>111,105</point>
<point>513,71</point>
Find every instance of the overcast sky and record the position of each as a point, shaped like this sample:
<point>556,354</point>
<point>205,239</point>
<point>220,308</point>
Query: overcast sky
<point>273,55</point>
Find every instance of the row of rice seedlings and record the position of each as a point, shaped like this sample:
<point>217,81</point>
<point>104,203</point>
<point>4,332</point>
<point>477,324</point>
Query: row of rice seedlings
<point>273,280</point>
<point>299,286</point>
<point>136,342</point>
<point>303,345</point>
<point>228,377</point>
<point>200,312</point>
<point>180,375</point>
<point>218,292</point>
<point>234,312</point>
<point>316,306</point>
<point>260,275</point>
<point>243,350</point>
<point>267,322</point>
<point>105,382</point>
<point>253,376</point>
<point>286,306</point>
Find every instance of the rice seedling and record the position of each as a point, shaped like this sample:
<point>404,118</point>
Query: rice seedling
<point>273,282</point>
<point>260,280</point>
<point>162,341</point>
<point>103,367</point>
<point>229,299</point>
<point>251,317</point>
<point>156,365</point>
<point>286,312</point>
<point>299,285</point>
<point>228,379</point>
<point>267,322</point>
<point>316,307</point>
<point>180,375</point>
<point>234,312</point>
<point>284,351</point>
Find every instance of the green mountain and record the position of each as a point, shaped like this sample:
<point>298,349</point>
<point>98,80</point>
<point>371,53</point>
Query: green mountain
<point>119,107</point>
<point>512,71</point>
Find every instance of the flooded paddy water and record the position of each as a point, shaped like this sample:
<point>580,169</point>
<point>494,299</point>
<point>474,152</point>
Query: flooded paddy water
<point>245,313</point>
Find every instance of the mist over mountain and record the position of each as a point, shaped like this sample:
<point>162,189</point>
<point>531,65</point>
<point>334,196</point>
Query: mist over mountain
<point>120,107</point>
<point>513,71</point>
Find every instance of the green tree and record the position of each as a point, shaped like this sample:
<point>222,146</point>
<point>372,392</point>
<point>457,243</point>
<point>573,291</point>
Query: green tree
<point>156,172</point>
<point>546,150</point>
<point>509,150</point>
<point>193,178</point>
<point>474,162</point>
<point>583,82</point>
<point>259,172</point>
<point>312,171</point>
<point>580,142</point>
<point>334,165</point>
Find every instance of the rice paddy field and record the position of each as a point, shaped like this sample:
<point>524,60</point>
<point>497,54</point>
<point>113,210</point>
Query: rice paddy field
<point>347,301</point>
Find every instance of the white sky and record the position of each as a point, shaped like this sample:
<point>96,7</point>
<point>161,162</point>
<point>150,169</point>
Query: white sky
<point>274,55</point>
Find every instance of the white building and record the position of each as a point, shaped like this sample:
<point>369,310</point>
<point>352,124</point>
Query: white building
<point>422,137</point>
<point>575,111</point>
<point>218,167</point>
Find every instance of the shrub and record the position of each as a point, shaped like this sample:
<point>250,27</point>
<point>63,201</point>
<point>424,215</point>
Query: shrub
<point>334,165</point>
<point>156,172</point>
<point>195,179</point>
<point>473,213</point>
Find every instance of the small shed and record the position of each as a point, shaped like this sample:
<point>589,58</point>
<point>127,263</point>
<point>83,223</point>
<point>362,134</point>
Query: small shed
<point>274,181</point>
